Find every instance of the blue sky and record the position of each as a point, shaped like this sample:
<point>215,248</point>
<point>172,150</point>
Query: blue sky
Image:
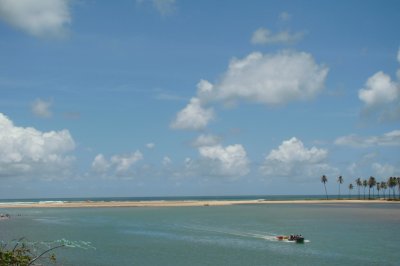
<point>169,97</point>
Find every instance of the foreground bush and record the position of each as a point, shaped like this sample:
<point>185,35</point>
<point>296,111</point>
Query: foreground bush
<point>25,254</point>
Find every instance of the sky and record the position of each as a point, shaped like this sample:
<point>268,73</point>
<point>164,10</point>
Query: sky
<point>189,98</point>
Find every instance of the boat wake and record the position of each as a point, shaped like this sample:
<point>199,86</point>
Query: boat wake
<point>255,235</point>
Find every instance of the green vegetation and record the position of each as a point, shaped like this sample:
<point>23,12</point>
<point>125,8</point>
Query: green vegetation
<point>389,184</point>
<point>25,254</point>
<point>350,189</point>
<point>324,179</point>
<point>17,256</point>
<point>340,181</point>
<point>365,184</point>
<point>359,184</point>
<point>371,184</point>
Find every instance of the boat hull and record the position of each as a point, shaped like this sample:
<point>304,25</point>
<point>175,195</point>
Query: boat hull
<point>299,240</point>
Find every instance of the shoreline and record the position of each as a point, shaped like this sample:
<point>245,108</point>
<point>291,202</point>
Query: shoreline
<point>182,203</point>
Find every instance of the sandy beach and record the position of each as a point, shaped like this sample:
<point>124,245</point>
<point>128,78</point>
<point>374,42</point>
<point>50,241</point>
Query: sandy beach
<point>189,203</point>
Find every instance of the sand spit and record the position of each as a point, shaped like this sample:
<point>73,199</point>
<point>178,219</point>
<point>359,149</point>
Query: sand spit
<point>183,203</point>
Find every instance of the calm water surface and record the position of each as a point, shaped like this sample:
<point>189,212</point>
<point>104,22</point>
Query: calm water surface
<point>346,234</point>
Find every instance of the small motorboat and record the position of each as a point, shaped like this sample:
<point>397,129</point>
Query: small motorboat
<point>292,238</point>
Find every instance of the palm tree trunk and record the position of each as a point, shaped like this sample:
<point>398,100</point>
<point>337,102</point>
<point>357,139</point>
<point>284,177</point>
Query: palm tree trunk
<point>326,193</point>
<point>369,193</point>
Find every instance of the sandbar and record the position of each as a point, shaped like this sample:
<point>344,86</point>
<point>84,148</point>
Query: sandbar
<point>179,203</point>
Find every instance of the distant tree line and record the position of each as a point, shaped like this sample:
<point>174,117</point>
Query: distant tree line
<point>383,187</point>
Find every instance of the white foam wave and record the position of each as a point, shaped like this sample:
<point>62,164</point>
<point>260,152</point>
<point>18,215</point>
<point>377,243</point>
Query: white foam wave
<point>17,203</point>
<point>51,202</point>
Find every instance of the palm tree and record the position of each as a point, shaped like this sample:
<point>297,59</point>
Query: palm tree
<point>359,184</point>
<point>391,184</point>
<point>371,184</point>
<point>398,185</point>
<point>324,179</point>
<point>340,181</point>
<point>384,187</point>
<point>378,187</point>
<point>365,184</point>
<point>350,189</point>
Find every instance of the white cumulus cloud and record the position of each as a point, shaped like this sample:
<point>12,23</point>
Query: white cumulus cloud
<point>385,170</point>
<point>27,150</point>
<point>381,96</point>
<point>100,164</point>
<point>193,117</point>
<point>293,150</point>
<point>41,108</point>
<point>272,78</point>
<point>379,89</point>
<point>391,138</point>
<point>230,161</point>
<point>150,145</point>
<point>37,17</point>
<point>292,159</point>
<point>206,140</point>
<point>117,164</point>
<point>266,36</point>
<point>124,162</point>
<point>166,161</point>
<point>205,90</point>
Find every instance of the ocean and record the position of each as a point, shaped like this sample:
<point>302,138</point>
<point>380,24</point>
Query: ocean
<point>336,234</point>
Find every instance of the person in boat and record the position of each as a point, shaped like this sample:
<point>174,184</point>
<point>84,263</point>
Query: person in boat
<point>295,237</point>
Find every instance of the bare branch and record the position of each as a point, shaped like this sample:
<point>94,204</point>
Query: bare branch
<point>46,251</point>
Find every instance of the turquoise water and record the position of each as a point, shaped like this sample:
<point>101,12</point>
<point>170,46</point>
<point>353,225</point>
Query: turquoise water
<point>345,234</point>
